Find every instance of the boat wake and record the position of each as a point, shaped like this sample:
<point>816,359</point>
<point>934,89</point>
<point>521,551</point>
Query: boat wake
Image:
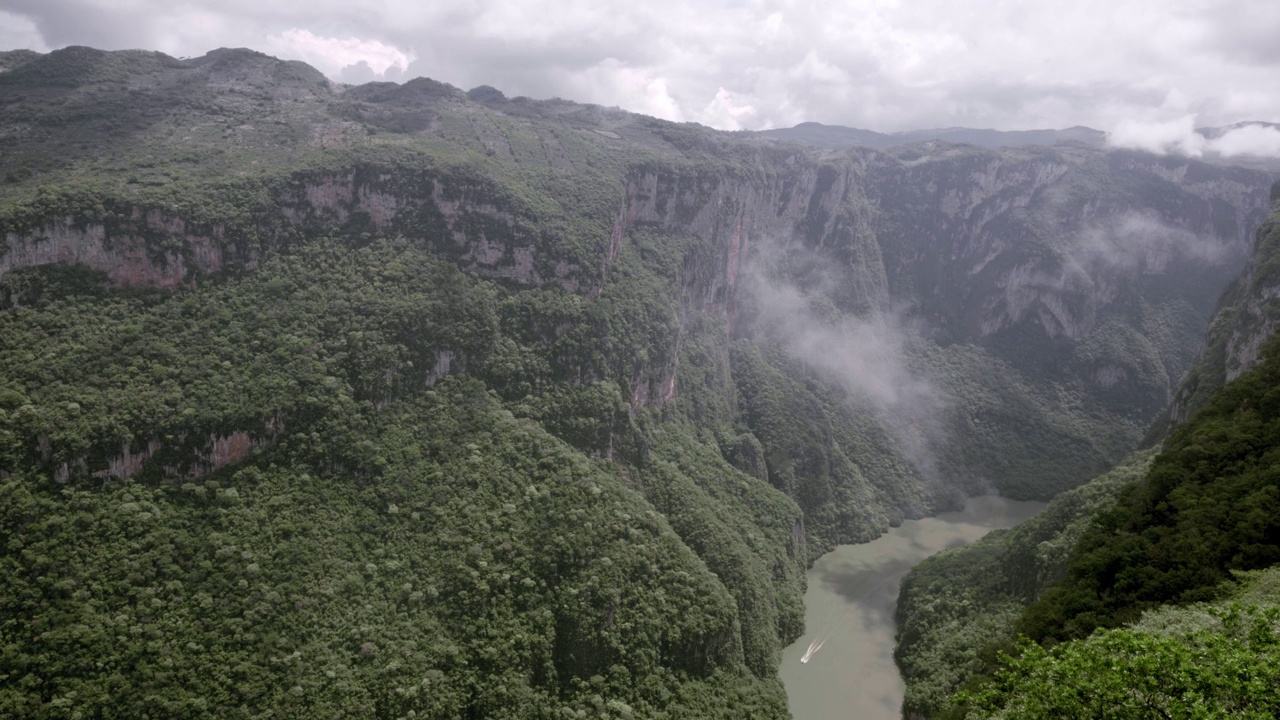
<point>828,628</point>
<point>814,647</point>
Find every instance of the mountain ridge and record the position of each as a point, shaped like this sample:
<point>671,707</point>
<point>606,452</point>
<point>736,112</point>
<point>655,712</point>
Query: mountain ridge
<point>838,136</point>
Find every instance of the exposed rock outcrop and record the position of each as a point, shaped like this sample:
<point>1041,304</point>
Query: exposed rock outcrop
<point>1248,314</point>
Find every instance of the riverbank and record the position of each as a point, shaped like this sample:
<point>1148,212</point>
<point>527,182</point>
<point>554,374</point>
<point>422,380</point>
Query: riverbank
<point>849,611</point>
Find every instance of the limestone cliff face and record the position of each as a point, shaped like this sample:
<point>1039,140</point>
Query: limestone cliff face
<point>1075,265</point>
<point>739,220</point>
<point>146,247</point>
<point>207,455</point>
<point>743,226</point>
<point>1258,315</point>
<point>1248,313</point>
<point>151,247</point>
<point>976,244</point>
<point>1054,237</point>
<point>468,222</point>
<point>976,241</point>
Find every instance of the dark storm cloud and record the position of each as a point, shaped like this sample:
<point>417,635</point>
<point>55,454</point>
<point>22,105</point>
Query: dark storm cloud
<point>883,64</point>
<point>62,24</point>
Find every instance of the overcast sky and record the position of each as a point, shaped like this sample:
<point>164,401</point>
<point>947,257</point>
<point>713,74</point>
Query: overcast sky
<point>751,64</point>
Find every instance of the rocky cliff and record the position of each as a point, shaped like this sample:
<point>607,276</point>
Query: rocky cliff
<point>1246,316</point>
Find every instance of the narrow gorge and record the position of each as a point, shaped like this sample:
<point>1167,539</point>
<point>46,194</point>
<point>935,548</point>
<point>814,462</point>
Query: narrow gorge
<point>403,400</point>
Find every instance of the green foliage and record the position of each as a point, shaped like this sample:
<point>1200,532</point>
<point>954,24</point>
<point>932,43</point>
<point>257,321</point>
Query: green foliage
<point>482,569</point>
<point>1203,511</point>
<point>824,450</point>
<point>1230,671</point>
<point>1100,556</point>
<point>283,347</point>
<point>957,610</point>
<point>1030,433</point>
<point>1210,504</point>
<point>387,535</point>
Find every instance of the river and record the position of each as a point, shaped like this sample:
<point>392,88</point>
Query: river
<point>849,607</point>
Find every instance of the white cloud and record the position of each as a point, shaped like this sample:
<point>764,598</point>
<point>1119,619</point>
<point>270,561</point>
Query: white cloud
<point>331,55</point>
<point>1255,140</point>
<point>612,84</point>
<point>1163,136</point>
<point>729,112</point>
<point>1178,136</point>
<point>655,98</point>
<point>882,64</point>
<point>17,31</point>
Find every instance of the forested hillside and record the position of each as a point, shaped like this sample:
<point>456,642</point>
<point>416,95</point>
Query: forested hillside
<point>1212,660</point>
<point>958,609</point>
<point>331,401</point>
<point>1205,514</point>
<point>1163,530</point>
<point>1209,505</point>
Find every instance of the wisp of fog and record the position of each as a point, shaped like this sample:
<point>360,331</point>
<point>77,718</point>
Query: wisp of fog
<point>867,355</point>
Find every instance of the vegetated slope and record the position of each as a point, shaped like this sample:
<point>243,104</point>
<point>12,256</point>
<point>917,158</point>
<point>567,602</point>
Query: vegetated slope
<point>1205,514</point>
<point>253,323</point>
<point>307,534</point>
<point>960,608</point>
<point>957,609</point>
<point>1203,511</point>
<point>1213,468</point>
<point>1210,504</point>
<point>474,567</point>
<point>1216,660</point>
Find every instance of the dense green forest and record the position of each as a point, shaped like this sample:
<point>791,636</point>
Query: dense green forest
<point>1217,660</point>
<point>957,610</point>
<point>377,551</point>
<point>403,401</point>
<point>1210,504</point>
<point>1104,596</point>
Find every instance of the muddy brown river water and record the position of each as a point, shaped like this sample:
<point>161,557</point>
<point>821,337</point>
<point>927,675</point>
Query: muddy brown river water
<point>849,610</point>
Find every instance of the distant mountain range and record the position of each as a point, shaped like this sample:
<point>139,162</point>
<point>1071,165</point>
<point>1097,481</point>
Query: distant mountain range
<point>840,137</point>
<point>1213,133</point>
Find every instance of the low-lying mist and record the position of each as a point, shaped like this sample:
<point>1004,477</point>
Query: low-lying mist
<point>867,355</point>
<point>1180,136</point>
<point>1141,242</point>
